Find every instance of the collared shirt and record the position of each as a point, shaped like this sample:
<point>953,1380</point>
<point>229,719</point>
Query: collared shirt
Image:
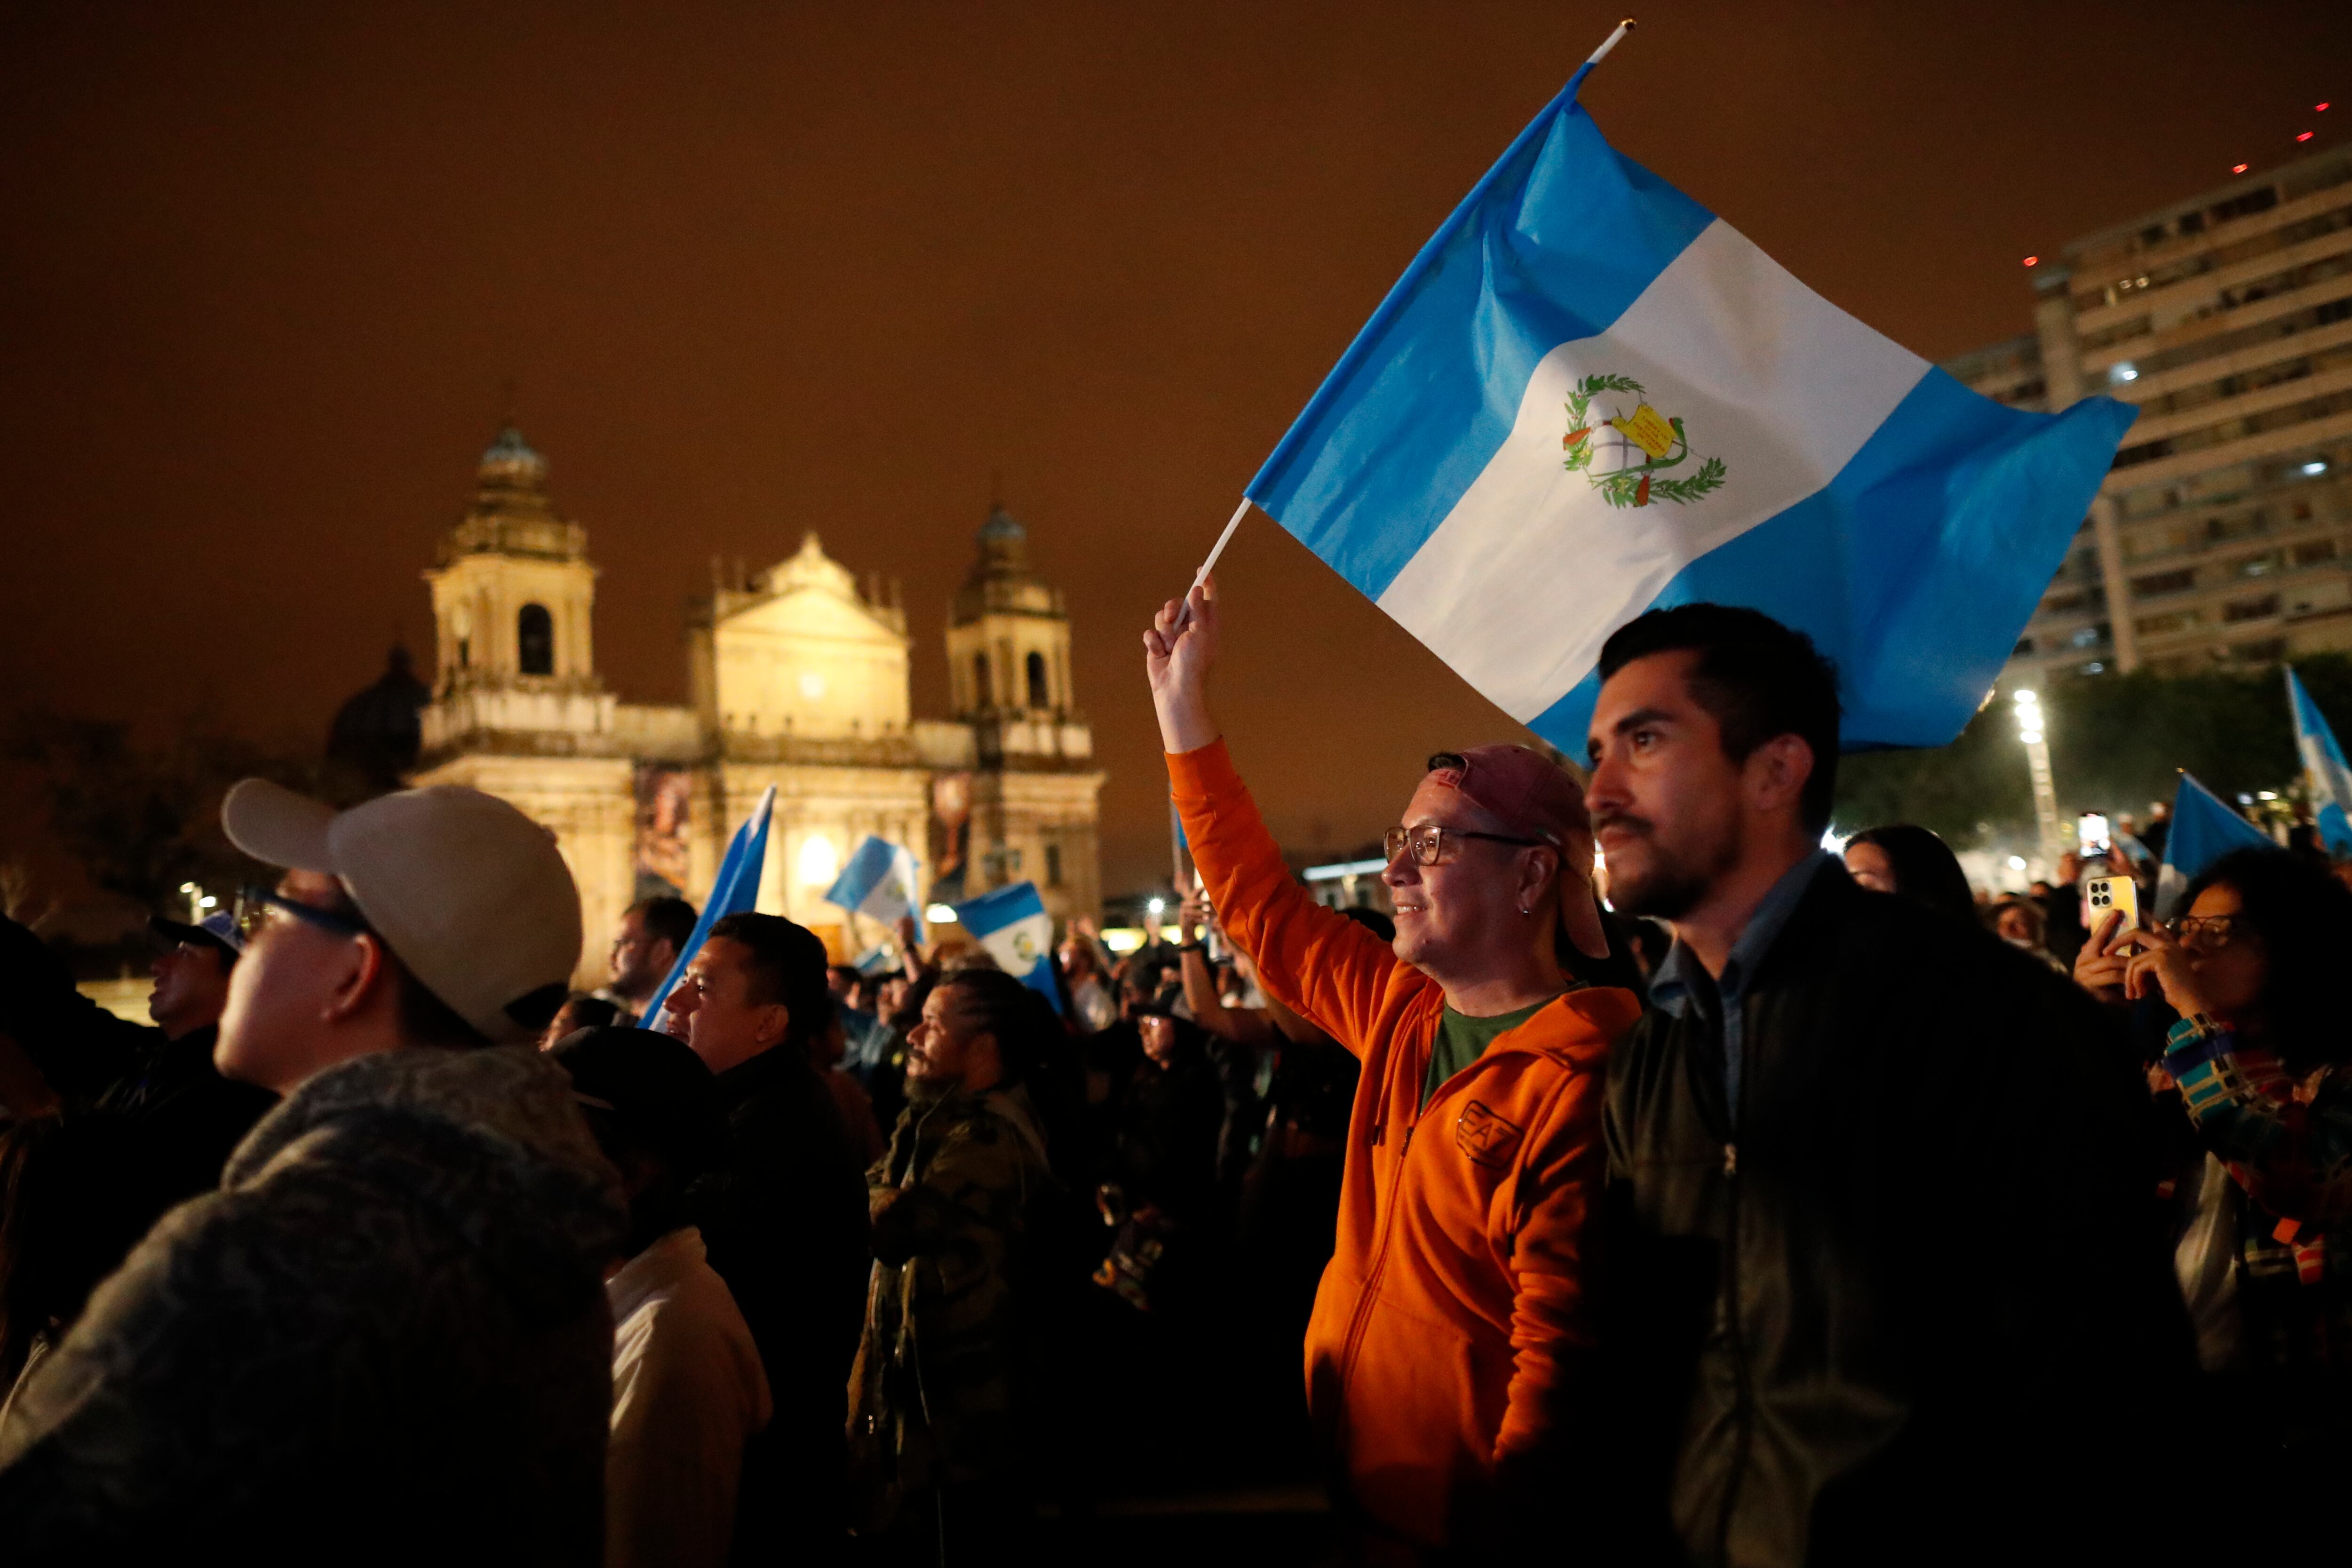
<point>1681,974</point>
<point>688,1393</point>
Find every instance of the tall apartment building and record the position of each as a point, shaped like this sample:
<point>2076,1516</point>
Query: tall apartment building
<point>2222,537</point>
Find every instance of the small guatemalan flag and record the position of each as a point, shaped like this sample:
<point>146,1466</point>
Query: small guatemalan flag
<point>879,884</point>
<point>1012,925</point>
<point>1589,396</point>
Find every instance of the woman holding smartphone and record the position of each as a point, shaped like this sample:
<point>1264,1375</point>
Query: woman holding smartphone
<point>2258,1061</point>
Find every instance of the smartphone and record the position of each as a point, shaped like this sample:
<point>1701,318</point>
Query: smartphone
<point>2091,834</point>
<point>2103,894</point>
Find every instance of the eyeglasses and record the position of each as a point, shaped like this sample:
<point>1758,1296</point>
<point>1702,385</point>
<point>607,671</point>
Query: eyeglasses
<point>254,903</point>
<point>2210,930</point>
<point>1436,845</point>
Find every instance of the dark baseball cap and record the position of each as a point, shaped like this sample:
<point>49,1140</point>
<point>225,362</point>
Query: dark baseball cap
<point>217,931</point>
<point>654,1090</point>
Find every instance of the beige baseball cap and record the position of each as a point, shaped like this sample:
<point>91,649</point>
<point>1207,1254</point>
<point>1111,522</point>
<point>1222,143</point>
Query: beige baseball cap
<point>466,891</point>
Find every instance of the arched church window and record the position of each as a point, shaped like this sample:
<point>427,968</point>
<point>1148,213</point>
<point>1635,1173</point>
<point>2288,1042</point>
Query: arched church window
<point>983,696</point>
<point>1040,694</point>
<point>535,639</point>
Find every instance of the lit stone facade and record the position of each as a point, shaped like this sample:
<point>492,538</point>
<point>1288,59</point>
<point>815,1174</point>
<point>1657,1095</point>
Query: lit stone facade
<point>2222,537</point>
<point>798,680</point>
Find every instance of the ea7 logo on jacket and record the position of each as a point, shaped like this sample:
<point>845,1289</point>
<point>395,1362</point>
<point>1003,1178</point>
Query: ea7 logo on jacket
<point>1485,1137</point>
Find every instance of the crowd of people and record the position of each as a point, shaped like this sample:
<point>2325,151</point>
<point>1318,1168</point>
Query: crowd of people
<point>1653,1186</point>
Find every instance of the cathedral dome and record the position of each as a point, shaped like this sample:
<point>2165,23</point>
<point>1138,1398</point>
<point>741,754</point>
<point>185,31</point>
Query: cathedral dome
<point>376,734</point>
<point>512,462</point>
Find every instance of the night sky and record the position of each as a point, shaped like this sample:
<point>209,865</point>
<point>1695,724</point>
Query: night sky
<point>266,272</point>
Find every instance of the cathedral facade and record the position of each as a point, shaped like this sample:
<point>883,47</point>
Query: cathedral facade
<point>799,679</point>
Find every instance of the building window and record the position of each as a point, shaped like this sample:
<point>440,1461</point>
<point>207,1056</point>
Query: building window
<point>979,681</point>
<point>1053,861</point>
<point>1040,694</point>
<point>535,639</point>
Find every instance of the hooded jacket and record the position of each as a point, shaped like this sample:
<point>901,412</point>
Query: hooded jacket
<point>1447,1351</point>
<point>383,1339</point>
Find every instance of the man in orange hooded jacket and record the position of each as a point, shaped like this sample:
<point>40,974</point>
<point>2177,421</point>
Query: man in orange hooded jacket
<point>1453,1330</point>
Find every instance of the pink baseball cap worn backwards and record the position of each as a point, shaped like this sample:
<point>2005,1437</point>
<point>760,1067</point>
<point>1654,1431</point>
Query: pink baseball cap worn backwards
<point>1534,796</point>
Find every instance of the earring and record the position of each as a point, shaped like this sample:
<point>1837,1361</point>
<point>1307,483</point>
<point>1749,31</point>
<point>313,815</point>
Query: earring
<point>1524,913</point>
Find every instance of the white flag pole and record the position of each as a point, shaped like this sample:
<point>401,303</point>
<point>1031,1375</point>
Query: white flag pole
<point>1184,611</point>
<point>1610,42</point>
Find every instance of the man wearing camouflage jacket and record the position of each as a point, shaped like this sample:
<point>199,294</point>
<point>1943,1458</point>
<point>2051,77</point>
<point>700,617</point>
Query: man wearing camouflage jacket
<point>937,1396</point>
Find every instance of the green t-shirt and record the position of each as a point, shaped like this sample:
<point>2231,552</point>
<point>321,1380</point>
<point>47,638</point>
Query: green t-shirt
<point>1463,1039</point>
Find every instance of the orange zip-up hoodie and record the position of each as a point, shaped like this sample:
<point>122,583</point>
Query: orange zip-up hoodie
<point>1452,1319</point>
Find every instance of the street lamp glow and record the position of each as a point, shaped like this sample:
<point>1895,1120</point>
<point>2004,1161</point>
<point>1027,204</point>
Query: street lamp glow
<point>1157,906</point>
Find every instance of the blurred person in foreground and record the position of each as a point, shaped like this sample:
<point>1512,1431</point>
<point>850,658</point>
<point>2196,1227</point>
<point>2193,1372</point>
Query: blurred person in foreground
<point>385,1337</point>
<point>942,1402</point>
<point>783,1216</point>
<point>1451,1344</point>
<point>1888,1284</point>
<point>2254,969</point>
<point>1910,861</point>
<point>654,932</point>
<point>687,1389</point>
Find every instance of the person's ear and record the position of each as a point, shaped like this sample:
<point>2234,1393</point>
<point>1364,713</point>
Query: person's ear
<point>1776,773</point>
<point>1539,874</point>
<point>367,967</point>
<point>775,1022</point>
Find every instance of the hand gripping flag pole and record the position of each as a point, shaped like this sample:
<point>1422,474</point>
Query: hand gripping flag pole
<point>1184,609</point>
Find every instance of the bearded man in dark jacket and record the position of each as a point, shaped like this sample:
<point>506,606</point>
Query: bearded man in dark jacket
<point>1887,1281</point>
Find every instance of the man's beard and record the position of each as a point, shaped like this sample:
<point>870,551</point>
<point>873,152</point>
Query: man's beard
<point>1672,884</point>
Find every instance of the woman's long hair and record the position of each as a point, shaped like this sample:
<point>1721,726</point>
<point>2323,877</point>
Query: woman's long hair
<point>2304,916</point>
<point>1926,870</point>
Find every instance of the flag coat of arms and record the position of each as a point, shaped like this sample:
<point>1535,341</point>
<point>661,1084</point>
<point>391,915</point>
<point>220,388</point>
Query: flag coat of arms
<point>1012,925</point>
<point>2323,768</point>
<point>879,883</point>
<point>1589,396</point>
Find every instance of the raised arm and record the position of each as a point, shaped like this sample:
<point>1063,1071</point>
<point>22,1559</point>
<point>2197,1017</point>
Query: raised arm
<point>1243,1026</point>
<point>1328,968</point>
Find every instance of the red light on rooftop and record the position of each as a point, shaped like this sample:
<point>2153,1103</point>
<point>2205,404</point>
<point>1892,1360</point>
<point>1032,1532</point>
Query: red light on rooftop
<point>2319,109</point>
<point>2306,136</point>
<point>2239,168</point>
<point>2032,261</point>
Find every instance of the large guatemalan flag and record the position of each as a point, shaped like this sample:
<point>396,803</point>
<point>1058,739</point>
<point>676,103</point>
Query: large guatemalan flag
<point>1589,396</point>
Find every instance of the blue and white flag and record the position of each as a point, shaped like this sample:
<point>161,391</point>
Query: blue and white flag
<point>1589,396</point>
<point>1012,925</point>
<point>2323,766</point>
<point>879,884</point>
<point>734,891</point>
<point>2203,829</point>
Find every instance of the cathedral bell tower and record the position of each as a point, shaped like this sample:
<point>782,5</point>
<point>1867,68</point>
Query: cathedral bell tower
<point>514,589</point>
<point>1008,635</point>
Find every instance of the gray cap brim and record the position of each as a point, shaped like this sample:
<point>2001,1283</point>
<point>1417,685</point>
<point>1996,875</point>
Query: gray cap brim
<point>278,827</point>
